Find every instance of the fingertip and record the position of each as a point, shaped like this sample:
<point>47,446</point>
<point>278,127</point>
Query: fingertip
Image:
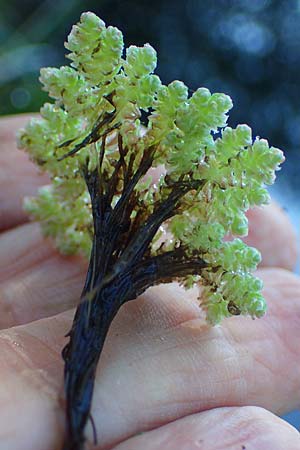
<point>272,233</point>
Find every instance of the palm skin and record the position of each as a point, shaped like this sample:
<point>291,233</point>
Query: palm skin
<point>166,380</point>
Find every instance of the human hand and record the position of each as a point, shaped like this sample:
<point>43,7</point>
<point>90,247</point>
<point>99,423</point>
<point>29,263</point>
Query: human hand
<point>166,379</point>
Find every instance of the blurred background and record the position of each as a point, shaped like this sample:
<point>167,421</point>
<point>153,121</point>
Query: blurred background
<point>249,49</point>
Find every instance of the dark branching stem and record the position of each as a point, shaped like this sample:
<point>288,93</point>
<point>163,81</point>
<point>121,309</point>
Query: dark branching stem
<point>93,136</point>
<point>113,280</point>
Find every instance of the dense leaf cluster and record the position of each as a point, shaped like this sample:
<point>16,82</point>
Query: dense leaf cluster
<point>211,173</point>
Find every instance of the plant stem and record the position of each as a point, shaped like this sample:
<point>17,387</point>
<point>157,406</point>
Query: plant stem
<point>113,278</point>
<point>91,323</point>
<point>92,320</point>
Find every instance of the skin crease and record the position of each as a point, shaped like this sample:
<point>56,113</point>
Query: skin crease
<point>165,379</point>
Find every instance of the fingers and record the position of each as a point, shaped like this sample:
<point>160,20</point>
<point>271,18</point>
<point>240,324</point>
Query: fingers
<point>35,281</point>
<point>18,176</point>
<point>271,232</point>
<point>161,362</point>
<point>31,372</point>
<point>245,428</point>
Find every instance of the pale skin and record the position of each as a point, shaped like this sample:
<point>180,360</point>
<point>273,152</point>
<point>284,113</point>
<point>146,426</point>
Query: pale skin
<point>166,380</point>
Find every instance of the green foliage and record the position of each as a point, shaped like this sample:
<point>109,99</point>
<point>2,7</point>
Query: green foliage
<point>96,50</point>
<point>219,171</point>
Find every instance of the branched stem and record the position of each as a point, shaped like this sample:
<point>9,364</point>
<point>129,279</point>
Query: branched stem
<point>109,284</point>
